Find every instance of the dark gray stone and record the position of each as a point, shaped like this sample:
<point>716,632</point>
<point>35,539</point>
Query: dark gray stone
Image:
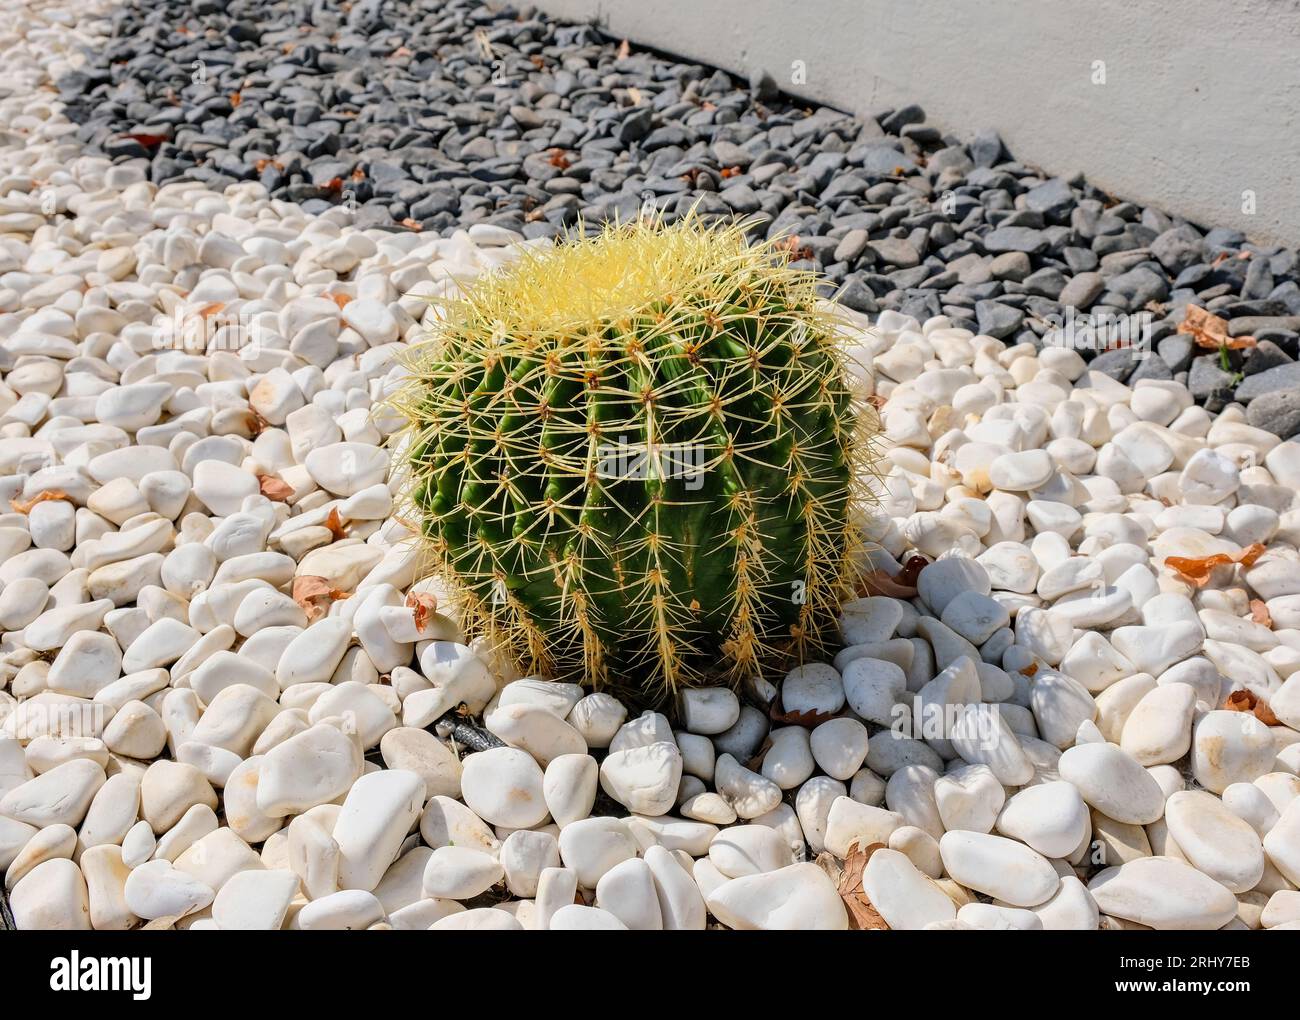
<point>1283,377</point>
<point>1263,356</point>
<point>998,320</point>
<point>1022,239</point>
<point>1277,412</point>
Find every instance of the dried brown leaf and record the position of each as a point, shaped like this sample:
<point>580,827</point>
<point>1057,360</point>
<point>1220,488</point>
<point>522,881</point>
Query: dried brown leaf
<point>901,585</point>
<point>314,594</point>
<point>624,49</point>
<point>1196,570</point>
<point>1245,701</point>
<point>1240,701</point>
<point>335,523</point>
<point>1210,331</point>
<point>811,720</point>
<point>880,583</point>
<point>863,916</point>
<point>275,489</point>
<point>1250,554</point>
<point>422,603</point>
<point>149,141</point>
<point>1260,614</point>
<point>44,496</point>
<point>256,423</point>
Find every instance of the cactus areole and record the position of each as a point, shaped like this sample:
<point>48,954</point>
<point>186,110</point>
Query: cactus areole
<point>636,457</point>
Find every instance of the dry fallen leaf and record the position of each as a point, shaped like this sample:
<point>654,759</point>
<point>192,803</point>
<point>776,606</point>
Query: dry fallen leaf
<point>1260,614</point>
<point>422,603</point>
<point>863,916</point>
<point>335,523</point>
<point>147,140</point>
<point>1196,570</point>
<point>1245,701</point>
<point>1210,331</point>
<point>25,506</point>
<point>256,423</point>
<point>810,719</point>
<point>314,594</point>
<point>1240,701</point>
<point>624,49</point>
<point>1250,554</point>
<point>273,488</point>
<point>342,300</point>
<point>411,224</point>
<point>901,585</point>
<point>880,583</point>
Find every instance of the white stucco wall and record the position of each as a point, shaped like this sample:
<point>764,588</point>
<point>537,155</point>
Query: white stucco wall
<point>1199,110</point>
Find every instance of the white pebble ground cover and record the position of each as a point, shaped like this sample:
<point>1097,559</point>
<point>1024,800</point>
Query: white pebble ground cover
<point>1058,730</point>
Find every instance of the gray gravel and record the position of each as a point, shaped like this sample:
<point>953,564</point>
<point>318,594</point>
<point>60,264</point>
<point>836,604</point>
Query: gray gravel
<point>435,115</point>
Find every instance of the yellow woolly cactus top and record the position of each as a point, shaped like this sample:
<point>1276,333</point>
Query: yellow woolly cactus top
<point>584,284</point>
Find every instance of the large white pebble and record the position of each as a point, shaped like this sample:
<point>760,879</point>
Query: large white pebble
<point>748,850</point>
<point>839,747</point>
<point>255,900</point>
<point>591,846</point>
<point>906,898</point>
<point>1051,818</point>
<point>1113,783</point>
<point>346,468</point>
<point>157,889</point>
<point>569,787</point>
<point>798,897</point>
<point>376,816</point>
<point>1163,893</point>
<point>998,867</point>
<point>315,767</point>
<point>52,896</point>
<point>1230,747</point>
<point>460,873</point>
<point>1214,840</point>
<point>627,891</point>
<point>504,786</point>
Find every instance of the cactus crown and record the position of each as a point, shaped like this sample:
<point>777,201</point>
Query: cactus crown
<point>635,456</point>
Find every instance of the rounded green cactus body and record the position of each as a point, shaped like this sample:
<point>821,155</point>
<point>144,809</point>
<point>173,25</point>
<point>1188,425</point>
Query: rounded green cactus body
<point>635,455</point>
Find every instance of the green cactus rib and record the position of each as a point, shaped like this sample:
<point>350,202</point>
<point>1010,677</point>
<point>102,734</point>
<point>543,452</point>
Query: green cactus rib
<point>637,457</point>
